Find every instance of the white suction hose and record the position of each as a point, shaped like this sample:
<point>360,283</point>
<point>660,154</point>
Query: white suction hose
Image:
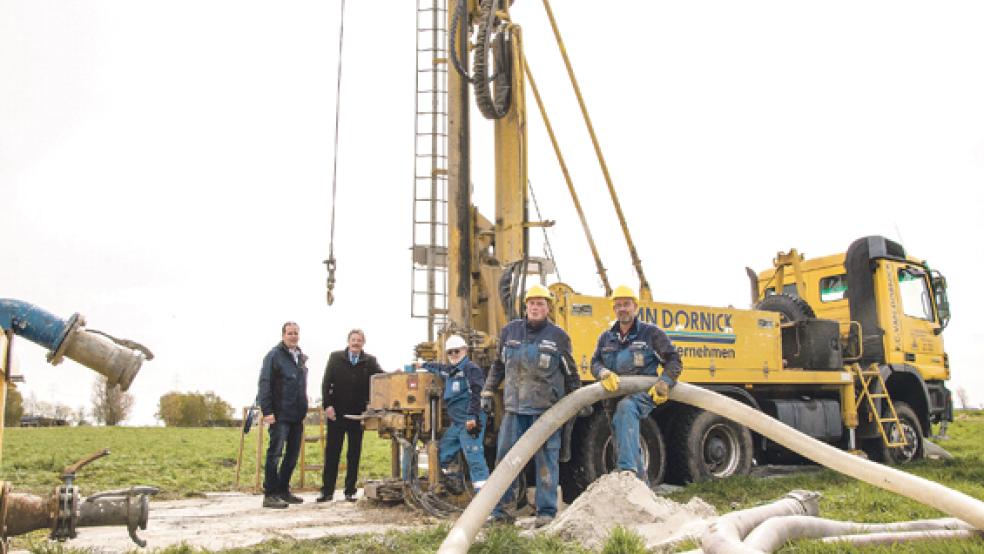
<point>932,494</point>
<point>775,532</point>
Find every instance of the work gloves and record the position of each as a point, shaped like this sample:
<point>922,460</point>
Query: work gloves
<point>609,380</point>
<point>660,392</point>
<point>488,406</point>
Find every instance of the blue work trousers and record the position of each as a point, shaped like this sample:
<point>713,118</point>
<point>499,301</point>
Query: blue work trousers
<point>629,410</point>
<point>283,436</point>
<point>547,460</point>
<point>457,438</point>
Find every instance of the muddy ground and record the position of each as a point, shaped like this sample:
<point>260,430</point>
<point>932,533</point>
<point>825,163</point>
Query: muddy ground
<point>227,520</point>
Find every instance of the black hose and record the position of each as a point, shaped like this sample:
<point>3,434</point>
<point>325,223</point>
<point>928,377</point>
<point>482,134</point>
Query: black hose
<point>493,101</point>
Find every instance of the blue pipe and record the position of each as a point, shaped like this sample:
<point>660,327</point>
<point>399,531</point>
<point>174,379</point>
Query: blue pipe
<point>34,324</point>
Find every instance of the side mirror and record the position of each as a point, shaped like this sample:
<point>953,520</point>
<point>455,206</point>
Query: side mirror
<point>938,282</point>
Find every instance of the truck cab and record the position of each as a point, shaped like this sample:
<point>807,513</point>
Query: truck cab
<point>891,308</point>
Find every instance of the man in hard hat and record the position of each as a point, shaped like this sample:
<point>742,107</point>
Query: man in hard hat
<point>537,368</point>
<point>462,389</point>
<point>633,347</point>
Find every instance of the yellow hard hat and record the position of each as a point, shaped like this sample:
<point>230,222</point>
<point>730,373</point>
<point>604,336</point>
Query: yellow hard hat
<point>538,291</point>
<point>624,291</point>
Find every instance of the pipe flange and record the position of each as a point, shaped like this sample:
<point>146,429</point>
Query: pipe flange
<point>65,512</point>
<point>57,354</point>
<point>4,496</point>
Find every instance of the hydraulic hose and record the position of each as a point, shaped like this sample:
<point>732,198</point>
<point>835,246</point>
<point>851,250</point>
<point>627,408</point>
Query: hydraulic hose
<point>69,338</point>
<point>922,490</point>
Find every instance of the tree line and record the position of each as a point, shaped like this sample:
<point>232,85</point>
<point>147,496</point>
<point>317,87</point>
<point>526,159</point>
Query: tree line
<point>111,406</point>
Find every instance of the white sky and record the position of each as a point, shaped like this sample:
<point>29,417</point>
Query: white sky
<point>165,167</point>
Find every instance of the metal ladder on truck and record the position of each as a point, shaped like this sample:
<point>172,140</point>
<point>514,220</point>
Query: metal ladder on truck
<point>428,282</point>
<point>873,388</point>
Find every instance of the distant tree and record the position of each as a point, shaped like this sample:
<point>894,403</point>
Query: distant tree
<point>110,405</point>
<point>963,397</point>
<point>79,416</point>
<point>193,409</point>
<point>14,408</point>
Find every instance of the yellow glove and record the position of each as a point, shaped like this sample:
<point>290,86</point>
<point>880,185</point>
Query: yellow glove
<point>609,380</point>
<point>660,392</point>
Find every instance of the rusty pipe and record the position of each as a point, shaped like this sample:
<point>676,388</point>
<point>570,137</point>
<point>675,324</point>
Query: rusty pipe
<point>62,512</point>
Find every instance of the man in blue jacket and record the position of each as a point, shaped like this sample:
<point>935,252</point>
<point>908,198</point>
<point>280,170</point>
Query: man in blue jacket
<point>537,368</point>
<point>462,400</point>
<point>633,347</point>
<point>283,400</point>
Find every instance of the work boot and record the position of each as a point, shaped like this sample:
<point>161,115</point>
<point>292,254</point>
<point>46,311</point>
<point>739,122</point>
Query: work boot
<point>540,521</point>
<point>272,501</point>
<point>500,518</point>
<point>291,498</point>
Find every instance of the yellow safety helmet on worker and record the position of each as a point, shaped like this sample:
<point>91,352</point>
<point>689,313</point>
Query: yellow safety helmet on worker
<point>625,291</point>
<point>538,291</point>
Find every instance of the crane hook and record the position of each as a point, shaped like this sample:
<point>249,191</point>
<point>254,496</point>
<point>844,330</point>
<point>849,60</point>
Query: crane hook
<point>330,262</point>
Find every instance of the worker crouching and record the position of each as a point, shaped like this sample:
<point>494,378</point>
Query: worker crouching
<point>463,382</point>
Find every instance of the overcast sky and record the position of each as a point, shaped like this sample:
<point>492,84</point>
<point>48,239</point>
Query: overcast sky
<point>165,167</point>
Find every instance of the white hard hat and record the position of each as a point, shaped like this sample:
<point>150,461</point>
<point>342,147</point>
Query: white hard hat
<point>455,341</point>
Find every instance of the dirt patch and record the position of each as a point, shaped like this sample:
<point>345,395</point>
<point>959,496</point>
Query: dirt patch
<point>227,520</point>
<point>622,499</point>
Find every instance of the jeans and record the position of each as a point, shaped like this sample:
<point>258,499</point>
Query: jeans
<point>547,464</point>
<point>277,480</point>
<point>334,437</point>
<point>455,438</point>
<point>628,412</point>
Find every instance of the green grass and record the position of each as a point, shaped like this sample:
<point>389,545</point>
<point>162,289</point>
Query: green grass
<point>181,462</point>
<point>185,462</point>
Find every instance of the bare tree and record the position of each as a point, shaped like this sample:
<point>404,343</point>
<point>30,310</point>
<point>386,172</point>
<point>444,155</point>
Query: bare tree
<point>110,405</point>
<point>963,397</point>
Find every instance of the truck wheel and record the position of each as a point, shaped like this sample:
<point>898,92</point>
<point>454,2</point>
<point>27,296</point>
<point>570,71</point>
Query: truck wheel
<point>791,308</point>
<point>909,427</point>
<point>593,455</point>
<point>705,446</point>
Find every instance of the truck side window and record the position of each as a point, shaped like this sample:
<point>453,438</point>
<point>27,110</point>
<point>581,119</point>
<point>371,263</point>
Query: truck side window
<point>833,288</point>
<point>915,293</point>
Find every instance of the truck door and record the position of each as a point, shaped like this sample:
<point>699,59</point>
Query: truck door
<point>909,320</point>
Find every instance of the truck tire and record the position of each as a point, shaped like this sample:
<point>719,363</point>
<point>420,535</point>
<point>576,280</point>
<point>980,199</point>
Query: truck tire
<point>592,454</point>
<point>910,427</point>
<point>705,446</point>
<point>789,307</point>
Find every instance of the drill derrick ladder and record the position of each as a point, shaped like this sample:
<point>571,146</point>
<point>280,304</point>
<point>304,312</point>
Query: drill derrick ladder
<point>872,388</point>
<point>429,272</point>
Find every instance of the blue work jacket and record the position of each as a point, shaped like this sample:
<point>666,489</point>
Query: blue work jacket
<point>462,388</point>
<point>639,352</point>
<point>536,364</point>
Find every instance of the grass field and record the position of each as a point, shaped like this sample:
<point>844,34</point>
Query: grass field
<point>181,462</point>
<point>186,462</point>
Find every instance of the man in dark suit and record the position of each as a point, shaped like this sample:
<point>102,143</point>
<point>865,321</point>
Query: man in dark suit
<point>345,391</point>
<point>283,399</point>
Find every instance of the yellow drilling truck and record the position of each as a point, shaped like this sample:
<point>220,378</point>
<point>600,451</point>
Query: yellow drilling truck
<point>846,348</point>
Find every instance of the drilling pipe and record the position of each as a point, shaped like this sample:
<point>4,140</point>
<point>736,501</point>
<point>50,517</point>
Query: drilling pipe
<point>932,494</point>
<point>119,363</point>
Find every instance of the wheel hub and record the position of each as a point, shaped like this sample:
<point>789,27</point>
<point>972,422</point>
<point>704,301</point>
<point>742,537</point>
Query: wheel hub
<point>721,450</point>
